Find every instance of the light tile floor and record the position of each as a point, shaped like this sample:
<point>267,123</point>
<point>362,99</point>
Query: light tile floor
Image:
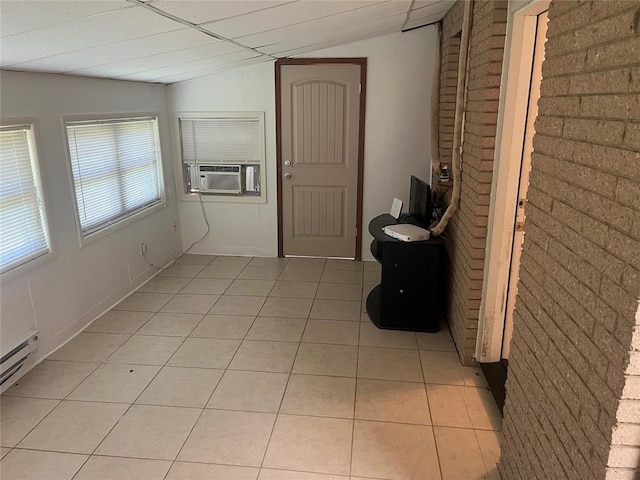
<point>237,368</point>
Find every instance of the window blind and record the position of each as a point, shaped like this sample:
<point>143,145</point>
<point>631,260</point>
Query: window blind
<point>221,140</point>
<point>116,169</point>
<point>23,234</point>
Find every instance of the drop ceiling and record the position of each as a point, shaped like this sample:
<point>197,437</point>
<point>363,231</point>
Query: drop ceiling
<point>168,41</point>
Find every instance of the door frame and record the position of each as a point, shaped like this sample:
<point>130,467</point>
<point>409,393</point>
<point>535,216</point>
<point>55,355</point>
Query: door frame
<point>362,62</point>
<point>512,114</point>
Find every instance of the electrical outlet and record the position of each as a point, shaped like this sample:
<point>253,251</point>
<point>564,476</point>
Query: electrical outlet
<point>143,249</point>
<point>175,226</point>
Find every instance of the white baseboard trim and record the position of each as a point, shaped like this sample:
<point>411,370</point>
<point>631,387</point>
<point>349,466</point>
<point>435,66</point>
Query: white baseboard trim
<point>64,336</point>
<point>234,250</point>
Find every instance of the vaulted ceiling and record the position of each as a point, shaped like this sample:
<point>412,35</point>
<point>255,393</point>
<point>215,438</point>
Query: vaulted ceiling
<point>169,41</point>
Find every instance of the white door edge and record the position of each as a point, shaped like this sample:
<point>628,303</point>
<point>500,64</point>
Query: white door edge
<point>512,113</point>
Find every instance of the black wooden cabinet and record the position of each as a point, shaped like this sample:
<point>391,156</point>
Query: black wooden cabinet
<point>408,295</point>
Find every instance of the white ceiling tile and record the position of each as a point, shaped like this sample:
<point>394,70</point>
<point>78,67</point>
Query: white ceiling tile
<point>22,16</point>
<point>120,51</point>
<point>327,24</point>
<point>118,39</point>
<point>194,65</point>
<point>123,24</point>
<point>335,37</point>
<point>200,11</point>
<point>436,8</point>
<point>333,42</point>
<point>153,62</point>
<point>425,3</point>
<point>286,15</point>
<point>421,22</point>
<point>428,14</point>
<point>213,70</point>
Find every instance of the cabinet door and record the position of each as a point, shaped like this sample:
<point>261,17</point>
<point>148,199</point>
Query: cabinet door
<point>410,285</point>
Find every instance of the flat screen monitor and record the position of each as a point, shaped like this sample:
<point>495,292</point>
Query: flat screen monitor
<point>420,202</point>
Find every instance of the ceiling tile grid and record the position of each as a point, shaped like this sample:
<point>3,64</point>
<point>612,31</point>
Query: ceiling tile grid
<point>212,50</point>
<point>18,16</point>
<point>168,41</point>
<point>296,32</point>
<point>122,24</point>
<point>123,51</point>
<point>199,12</point>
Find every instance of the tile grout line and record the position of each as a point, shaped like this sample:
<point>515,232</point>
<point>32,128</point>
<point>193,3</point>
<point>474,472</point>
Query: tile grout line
<point>262,411</point>
<point>284,392</point>
<point>37,424</point>
<point>486,467</point>
<point>355,394</point>
<point>226,369</point>
<point>217,384</point>
<point>135,400</point>
<point>99,364</point>
<point>214,389</point>
<point>103,362</point>
<point>131,404</point>
<point>249,370</point>
<point>355,398</point>
<point>116,423</point>
<point>433,430</point>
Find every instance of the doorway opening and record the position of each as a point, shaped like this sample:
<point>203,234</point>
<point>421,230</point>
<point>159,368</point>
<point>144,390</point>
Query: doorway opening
<point>520,90</point>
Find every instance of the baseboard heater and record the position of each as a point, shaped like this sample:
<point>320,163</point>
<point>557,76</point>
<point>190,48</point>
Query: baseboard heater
<point>12,361</point>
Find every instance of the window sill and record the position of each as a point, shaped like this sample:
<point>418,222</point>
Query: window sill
<point>27,267</point>
<point>125,222</point>
<point>208,198</point>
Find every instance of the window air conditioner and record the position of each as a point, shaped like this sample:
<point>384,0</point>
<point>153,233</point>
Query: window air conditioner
<point>220,178</point>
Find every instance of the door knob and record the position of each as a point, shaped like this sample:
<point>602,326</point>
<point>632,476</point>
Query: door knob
<point>287,175</point>
<point>287,163</point>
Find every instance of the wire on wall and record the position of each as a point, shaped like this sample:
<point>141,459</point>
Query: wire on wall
<point>435,105</point>
<point>206,221</point>
<point>461,89</point>
<point>207,232</point>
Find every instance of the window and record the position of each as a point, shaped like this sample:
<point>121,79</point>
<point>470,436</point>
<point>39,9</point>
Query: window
<point>23,231</point>
<point>116,169</point>
<point>221,140</point>
<point>223,154</point>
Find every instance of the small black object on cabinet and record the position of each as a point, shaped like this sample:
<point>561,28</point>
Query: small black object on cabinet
<point>407,297</point>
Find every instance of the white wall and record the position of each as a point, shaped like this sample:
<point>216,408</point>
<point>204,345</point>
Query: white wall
<point>60,294</point>
<point>396,146</point>
<point>399,78</point>
<point>236,228</point>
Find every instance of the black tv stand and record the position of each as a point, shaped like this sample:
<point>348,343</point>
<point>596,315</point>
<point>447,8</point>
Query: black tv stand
<point>408,295</point>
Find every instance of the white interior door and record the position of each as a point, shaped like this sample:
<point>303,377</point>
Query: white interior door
<point>320,115</point>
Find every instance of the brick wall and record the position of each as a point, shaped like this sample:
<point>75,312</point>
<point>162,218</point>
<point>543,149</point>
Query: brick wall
<point>467,231</point>
<point>624,456</point>
<point>580,268</point>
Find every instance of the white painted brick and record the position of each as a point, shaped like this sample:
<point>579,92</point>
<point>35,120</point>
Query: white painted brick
<point>621,474</point>
<point>578,293</point>
<point>631,388</point>
<point>634,364</point>
<point>626,434</point>
<point>624,457</point>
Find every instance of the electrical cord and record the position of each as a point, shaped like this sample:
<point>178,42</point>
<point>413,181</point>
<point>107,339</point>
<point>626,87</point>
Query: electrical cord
<point>169,265</point>
<point>206,221</point>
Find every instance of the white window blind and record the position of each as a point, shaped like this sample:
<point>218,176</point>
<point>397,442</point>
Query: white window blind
<point>116,169</point>
<point>222,139</point>
<point>23,232</point>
